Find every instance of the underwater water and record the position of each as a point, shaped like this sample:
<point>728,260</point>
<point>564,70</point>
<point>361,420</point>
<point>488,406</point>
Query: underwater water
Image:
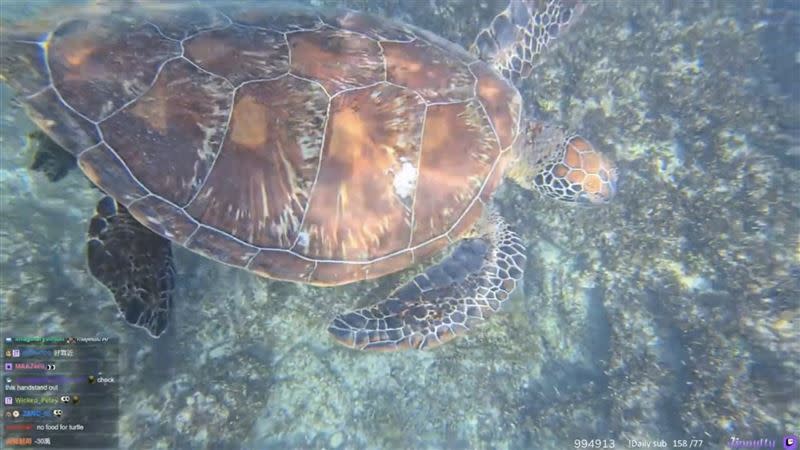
<point>671,313</point>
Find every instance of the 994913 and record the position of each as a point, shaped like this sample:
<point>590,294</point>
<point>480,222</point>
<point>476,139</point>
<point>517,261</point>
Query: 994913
<point>594,443</point>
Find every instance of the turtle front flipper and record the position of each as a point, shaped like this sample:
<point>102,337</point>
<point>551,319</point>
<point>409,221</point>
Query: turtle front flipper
<point>134,263</point>
<point>521,32</point>
<point>445,301</point>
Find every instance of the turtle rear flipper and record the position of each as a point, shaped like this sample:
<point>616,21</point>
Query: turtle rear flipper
<point>520,32</point>
<point>445,301</point>
<point>49,157</point>
<point>134,263</point>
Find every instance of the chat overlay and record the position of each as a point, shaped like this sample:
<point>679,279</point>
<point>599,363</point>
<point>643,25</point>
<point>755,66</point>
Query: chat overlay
<point>60,392</point>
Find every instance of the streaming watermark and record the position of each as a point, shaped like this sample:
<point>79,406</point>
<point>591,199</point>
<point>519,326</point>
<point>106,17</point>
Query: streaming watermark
<point>789,442</point>
<point>735,442</point>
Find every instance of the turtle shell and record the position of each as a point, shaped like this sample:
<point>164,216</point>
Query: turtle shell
<point>321,147</point>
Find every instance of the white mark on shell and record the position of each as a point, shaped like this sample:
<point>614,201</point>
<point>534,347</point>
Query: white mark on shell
<point>405,179</point>
<point>303,239</point>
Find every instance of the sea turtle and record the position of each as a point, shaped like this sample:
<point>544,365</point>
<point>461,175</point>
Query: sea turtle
<point>317,146</point>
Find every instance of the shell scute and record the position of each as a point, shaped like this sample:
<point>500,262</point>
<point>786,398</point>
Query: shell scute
<point>501,101</point>
<point>169,220</point>
<point>100,65</point>
<point>454,51</point>
<point>362,200</point>
<point>68,129</point>
<point>106,170</point>
<point>281,265</point>
<point>179,23</point>
<point>278,17</point>
<point>449,180</point>
<point>335,273</point>
<point>186,112</point>
<point>262,178</point>
<point>370,26</point>
<point>221,247</point>
<point>337,59</point>
<point>435,75</point>
<point>240,54</point>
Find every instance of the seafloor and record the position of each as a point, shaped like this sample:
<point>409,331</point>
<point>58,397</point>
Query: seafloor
<point>671,314</point>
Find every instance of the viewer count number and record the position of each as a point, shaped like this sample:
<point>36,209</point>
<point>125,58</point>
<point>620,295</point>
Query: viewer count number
<point>687,443</point>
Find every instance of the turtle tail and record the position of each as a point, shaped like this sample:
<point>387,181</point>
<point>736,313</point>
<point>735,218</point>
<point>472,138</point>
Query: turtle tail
<point>445,301</point>
<point>516,36</point>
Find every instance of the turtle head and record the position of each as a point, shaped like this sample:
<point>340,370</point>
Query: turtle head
<point>564,166</point>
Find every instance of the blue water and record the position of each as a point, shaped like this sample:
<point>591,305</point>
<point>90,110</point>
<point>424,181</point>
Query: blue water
<point>669,314</point>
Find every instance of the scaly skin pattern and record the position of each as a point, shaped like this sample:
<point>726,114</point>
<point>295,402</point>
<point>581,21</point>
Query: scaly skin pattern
<point>521,32</point>
<point>445,301</point>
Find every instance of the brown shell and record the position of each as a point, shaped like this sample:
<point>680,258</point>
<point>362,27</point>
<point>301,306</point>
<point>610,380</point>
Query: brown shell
<point>317,147</point>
